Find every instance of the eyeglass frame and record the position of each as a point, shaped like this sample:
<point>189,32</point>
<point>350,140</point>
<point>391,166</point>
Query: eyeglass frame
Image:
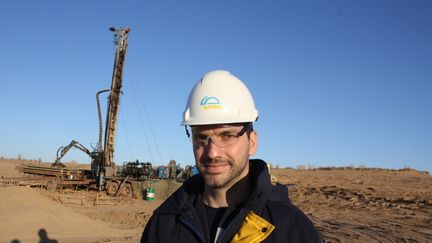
<point>247,128</point>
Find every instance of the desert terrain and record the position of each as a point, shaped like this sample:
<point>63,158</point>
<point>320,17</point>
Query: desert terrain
<point>345,204</point>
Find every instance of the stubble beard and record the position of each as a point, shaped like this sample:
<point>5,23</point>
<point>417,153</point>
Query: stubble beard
<point>223,179</point>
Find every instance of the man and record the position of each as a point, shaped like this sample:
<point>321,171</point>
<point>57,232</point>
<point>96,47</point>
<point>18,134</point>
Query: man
<point>232,198</point>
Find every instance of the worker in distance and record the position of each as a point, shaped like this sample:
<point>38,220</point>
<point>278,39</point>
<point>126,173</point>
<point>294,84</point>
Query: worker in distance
<point>232,198</point>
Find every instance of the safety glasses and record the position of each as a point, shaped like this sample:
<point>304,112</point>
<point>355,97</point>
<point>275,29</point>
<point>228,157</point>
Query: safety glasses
<point>221,139</point>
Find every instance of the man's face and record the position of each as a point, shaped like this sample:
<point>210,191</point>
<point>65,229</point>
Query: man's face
<point>222,166</point>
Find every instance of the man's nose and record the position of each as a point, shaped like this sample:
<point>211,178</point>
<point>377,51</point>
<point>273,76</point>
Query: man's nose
<point>212,150</point>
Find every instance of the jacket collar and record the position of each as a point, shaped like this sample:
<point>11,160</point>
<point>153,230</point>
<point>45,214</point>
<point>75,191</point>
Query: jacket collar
<point>189,195</point>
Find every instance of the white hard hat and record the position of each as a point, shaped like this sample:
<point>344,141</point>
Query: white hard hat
<point>219,98</point>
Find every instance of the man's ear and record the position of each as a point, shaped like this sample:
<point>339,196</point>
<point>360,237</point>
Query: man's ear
<point>253,142</point>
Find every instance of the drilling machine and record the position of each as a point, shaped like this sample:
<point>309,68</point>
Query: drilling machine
<point>102,158</point>
<point>104,174</point>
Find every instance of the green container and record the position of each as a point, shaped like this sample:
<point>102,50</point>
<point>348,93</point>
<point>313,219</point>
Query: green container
<point>150,192</point>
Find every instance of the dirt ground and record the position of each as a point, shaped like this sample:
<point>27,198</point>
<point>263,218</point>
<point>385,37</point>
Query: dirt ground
<point>345,204</point>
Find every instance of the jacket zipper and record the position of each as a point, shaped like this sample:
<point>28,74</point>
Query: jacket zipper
<point>236,221</point>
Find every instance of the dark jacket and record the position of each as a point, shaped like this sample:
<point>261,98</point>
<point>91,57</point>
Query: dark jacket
<point>266,216</point>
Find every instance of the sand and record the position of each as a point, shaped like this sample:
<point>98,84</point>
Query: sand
<point>345,204</point>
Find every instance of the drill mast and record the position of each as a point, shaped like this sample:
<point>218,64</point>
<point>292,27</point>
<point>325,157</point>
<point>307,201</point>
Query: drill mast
<point>120,41</point>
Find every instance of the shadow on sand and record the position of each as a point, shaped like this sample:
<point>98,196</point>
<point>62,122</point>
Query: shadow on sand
<point>43,237</point>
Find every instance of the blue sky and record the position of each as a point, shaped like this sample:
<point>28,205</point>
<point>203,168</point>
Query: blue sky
<point>336,82</point>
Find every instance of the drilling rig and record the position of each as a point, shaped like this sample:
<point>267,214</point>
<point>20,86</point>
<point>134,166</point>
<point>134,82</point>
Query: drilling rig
<point>102,158</point>
<point>104,174</point>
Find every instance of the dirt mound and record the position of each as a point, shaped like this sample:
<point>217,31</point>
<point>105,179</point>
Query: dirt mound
<point>7,167</point>
<point>25,213</point>
<point>364,205</point>
<point>32,214</point>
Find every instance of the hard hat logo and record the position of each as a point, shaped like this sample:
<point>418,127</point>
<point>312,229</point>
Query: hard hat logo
<point>210,102</point>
